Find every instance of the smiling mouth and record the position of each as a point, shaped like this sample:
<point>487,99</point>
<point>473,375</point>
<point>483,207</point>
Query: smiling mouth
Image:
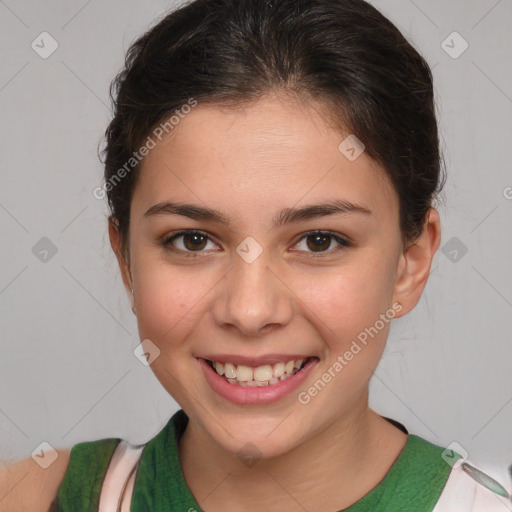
<point>265,375</point>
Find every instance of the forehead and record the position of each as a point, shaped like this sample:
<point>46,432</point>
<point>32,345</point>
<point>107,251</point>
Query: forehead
<point>276,150</point>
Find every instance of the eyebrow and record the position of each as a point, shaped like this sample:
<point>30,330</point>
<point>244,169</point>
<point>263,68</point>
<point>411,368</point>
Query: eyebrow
<point>284,216</point>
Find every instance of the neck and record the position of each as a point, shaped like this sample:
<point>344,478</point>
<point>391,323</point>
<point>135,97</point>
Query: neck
<point>330,471</point>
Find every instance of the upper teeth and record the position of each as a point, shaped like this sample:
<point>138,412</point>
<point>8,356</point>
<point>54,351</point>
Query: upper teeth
<point>262,373</point>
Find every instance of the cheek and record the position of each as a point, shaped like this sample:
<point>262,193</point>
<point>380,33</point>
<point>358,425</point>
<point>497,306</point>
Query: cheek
<point>169,300</point>
<point>351,298</point>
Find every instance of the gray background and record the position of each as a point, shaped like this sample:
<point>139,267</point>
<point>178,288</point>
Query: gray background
<point>67,334</point>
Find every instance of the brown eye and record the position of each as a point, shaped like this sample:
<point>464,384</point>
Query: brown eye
<point>191,241</point>
<point>320,241</point>
<point>194,241</point>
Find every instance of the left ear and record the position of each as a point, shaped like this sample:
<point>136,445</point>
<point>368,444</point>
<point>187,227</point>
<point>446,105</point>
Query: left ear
<point>122,258</point>
<point>415,263</point>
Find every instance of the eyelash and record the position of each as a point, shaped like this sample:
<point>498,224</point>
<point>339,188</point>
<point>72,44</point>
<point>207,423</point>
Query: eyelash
<point>166,243</point>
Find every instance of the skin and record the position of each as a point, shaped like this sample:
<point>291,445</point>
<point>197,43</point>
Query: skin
<point>249,163</point>
<point>27,487</point>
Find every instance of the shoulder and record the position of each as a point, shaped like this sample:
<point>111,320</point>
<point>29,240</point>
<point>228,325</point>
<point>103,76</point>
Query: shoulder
<point>466,488</point>
<point>98,470</point>
<point>469,489</point>
<point>81,485</point>
<point>447,481</point>
<point>26,486</point>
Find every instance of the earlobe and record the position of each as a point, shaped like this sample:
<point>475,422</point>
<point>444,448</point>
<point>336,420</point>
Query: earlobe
<point>124,266</point>
<point>415,264</point>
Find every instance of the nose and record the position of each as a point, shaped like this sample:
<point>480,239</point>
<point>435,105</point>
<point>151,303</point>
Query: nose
<point>254,299</point>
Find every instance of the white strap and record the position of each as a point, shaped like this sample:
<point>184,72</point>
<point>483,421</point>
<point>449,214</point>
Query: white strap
<point>463,494</point>
<point>128,493</point>
<point>117,488</point>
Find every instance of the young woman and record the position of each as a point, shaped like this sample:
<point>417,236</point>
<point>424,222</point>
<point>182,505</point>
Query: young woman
<point>272,169</point>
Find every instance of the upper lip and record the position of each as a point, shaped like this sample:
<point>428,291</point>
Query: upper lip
<point>253,361</point>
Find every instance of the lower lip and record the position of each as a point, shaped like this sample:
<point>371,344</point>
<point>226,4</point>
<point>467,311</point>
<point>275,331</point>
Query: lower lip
<point>255,395</point>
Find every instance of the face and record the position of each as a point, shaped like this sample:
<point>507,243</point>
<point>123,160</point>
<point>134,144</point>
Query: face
<point>259,286</point>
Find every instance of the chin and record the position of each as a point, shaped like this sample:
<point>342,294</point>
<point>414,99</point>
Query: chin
<point>255,437</point>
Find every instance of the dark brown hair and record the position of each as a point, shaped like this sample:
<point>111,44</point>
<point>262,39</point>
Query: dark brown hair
<point>344,53</point>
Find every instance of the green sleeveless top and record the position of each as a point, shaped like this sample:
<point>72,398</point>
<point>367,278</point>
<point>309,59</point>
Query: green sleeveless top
<point>416,478</point>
